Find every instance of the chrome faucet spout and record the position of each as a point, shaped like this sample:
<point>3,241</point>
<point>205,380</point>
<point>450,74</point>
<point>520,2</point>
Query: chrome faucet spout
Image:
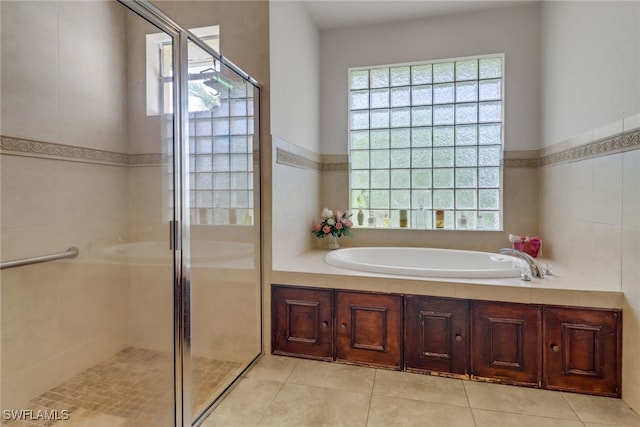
<point>536,271</point>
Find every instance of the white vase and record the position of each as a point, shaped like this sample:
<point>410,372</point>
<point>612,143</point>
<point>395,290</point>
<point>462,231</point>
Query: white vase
<point>334,243</point>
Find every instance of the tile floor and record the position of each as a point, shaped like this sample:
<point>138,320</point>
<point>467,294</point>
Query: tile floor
<point>282,391</point>
<point>134,388</point>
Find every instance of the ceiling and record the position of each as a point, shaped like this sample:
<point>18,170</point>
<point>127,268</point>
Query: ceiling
<point>332,14</point>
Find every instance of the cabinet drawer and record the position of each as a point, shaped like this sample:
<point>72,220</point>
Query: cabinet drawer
<point>436,335</point>
<point>369,329</point>
<point>302,322</point>
<point>505,342</point>
<point>582,350</point>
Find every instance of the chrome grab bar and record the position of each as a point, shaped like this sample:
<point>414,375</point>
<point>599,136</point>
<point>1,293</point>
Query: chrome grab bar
<point>72,252</point>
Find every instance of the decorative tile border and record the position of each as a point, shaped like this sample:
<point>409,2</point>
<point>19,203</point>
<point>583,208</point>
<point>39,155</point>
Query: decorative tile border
<point>626,141</point>
<point>288,158</point>
<point>520,163</point>
<point>49,150</point>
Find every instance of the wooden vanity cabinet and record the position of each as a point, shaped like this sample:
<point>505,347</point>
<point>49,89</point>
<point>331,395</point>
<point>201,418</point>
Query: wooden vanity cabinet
<point>582,350</point>
<point>436,335</point>
<point>369,329</point>
<point>505,342</point>
<point>302,322</point>
<point>554,347</point>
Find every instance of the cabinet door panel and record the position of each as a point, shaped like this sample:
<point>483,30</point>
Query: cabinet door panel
<point>582,350</point>
<point>302,322</point>
<point>505,342</point>
<point>369,328</point>
<point>436,335</point>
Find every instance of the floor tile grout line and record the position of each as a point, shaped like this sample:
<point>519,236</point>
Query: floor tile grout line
<point>275,396</point>
<point>473,417</point>
<point>295,365</point>
<point>572,408</point>
<point>373,385</point>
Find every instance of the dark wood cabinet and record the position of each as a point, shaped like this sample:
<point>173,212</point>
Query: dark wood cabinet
<point>436,335</point>
<point>559,348</point>
<point>505,342</point>
<point>582,350</point>
<point>369,329</point>
<point>302,322</point>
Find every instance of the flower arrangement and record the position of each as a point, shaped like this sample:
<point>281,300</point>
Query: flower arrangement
<point>331,223</point>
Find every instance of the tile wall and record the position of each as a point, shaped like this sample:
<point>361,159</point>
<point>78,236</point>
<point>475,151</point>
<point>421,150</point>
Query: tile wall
<point>590,221</point>
<point>64,183</point>
<point>327,176</point>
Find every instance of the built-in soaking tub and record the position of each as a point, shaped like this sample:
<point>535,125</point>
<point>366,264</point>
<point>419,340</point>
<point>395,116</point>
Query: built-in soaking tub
<point>426,262</point>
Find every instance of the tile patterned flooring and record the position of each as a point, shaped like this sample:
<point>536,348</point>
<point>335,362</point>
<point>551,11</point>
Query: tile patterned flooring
<point>134,388</point>
<point>282,391</point>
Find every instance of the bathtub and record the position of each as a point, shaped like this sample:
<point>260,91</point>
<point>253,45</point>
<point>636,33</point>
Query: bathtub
<point>426,262</point>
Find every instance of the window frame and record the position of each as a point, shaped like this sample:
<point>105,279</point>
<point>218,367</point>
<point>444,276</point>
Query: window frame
<point>425,217</point>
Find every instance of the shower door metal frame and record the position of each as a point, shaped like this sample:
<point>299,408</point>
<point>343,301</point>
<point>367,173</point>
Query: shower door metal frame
<point>180,227</point>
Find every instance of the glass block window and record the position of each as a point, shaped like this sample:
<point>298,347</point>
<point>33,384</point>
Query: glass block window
<point>425,141</point>
<point>221,137</point>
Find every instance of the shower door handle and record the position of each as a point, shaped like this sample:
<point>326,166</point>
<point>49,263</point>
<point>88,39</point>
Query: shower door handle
<point>172,234</point>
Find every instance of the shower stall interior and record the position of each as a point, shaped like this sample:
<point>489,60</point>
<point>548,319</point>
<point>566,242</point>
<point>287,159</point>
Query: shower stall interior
<point>131,139</point>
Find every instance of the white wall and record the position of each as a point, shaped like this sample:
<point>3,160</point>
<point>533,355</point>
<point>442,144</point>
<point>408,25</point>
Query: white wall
<point>294,56</point>
<point>294,42</point>
<point>514,31</point>
<point>590,66</point>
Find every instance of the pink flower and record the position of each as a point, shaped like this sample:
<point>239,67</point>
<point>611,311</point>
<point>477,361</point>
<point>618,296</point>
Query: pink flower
<point>338,214</point>
<point>326,229</point>
<point>317,227</point>
<point>349,223</point>
<point>339,226</point>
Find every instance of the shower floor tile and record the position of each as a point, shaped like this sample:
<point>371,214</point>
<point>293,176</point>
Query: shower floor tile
<point>133,388</point>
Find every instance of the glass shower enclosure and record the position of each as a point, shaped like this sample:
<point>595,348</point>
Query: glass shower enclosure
<point>129,139</point>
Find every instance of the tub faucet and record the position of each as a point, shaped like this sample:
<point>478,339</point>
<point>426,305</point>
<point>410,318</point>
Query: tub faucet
<point>536,271</point>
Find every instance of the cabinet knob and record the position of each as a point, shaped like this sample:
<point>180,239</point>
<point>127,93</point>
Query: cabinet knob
<point>343,326</point>
<point>555,348</point>
<point>325,324</point>
<point>458,337</point>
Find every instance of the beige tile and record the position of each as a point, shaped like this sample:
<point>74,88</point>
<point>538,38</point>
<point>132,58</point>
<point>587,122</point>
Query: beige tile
<point>273,368</point>
<point>304,405</point>
<point>630,360</point>
<point>420,387</point>
<point>608,130</point>
<point>630,192</point>
<point>246,404</point>
<point>580,298</point>
<point>579,190</point>
<point>484,418</point>
<point>631,266</point>
<point>631,122</point>
<point>607,189</point>
<point>604,410</point>
<point>88,418</point>
<point>495,293</point>
<point>392,411</point>
<point>333,375</point>
<point>29,96</point>
<point>607,253</point>
<point>518,400</point>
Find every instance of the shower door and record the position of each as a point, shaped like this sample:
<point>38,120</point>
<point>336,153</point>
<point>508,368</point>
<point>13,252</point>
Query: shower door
<point>87,131</point>
<point>222,175</point>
